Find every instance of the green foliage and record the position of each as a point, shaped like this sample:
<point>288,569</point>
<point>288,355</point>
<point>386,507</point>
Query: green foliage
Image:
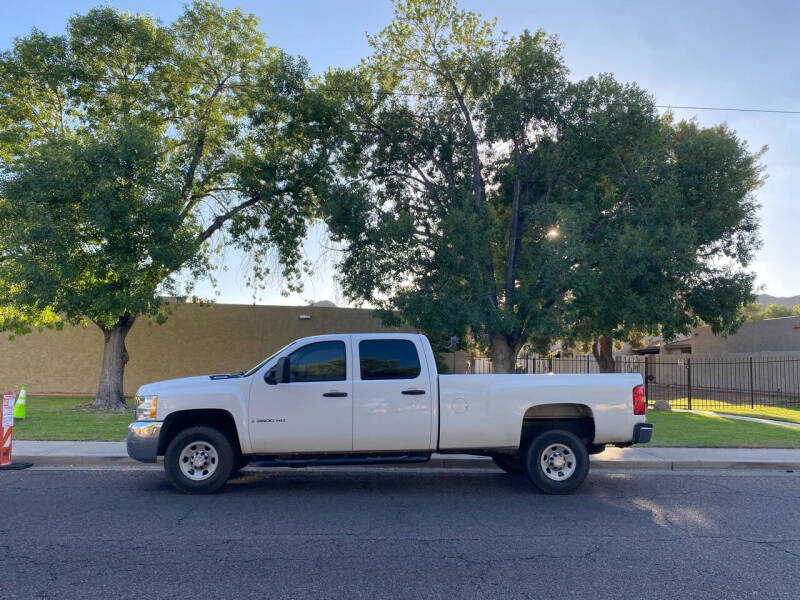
<point>24,320</point>
<point>411,206</point>
<point>130,151</point>
<point>752,311</point>
<point>479,190</point>
<point>664,215</point>
<point>757,312</point>
<point>775,310</point>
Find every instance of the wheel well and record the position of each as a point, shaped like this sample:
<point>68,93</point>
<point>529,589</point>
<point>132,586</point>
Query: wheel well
<point>558,411</point>
<point>212,417</point>
<point>575,418</point>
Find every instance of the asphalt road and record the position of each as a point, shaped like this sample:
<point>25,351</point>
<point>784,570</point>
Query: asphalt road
<point>387,533</point>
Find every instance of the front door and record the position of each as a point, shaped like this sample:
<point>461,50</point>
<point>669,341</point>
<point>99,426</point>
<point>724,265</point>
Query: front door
<point>311,413</point>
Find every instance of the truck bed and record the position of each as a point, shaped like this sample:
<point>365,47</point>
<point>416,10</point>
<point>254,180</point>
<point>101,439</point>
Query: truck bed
<point>485,411</point>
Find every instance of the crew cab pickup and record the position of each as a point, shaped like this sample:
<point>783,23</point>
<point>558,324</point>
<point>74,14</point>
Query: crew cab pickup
<point>377,398</point>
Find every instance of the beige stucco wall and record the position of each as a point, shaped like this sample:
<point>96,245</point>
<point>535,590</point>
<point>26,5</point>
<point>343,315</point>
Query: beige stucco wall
<point>195,340</point>
<point>769,335</point>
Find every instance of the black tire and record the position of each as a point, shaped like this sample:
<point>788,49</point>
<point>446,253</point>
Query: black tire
<point>206,440</point>
<point>509,464</point>
<point>562,445</point>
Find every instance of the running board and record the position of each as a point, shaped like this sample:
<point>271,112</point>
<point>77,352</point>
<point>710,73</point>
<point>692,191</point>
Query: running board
<point>327,461</point>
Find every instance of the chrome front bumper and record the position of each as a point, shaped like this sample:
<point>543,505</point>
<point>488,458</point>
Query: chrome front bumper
<point>142,440</point>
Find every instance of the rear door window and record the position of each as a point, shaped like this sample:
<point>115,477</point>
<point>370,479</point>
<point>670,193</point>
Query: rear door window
<point>388,359</point>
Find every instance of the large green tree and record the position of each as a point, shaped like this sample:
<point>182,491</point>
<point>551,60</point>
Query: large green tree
<point>131,151</point>
<point>659,218</point>
<point>437,119</point>
<point>479,190</point>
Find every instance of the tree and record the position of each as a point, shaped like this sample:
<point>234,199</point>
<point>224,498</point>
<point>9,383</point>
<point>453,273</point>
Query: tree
<point>131,151</point>
<point>774,311</point>
<point>424,234</point>
<point>479,190</point>
<point>663,215</point>
<point>752,312</point>
<point>758,312</point>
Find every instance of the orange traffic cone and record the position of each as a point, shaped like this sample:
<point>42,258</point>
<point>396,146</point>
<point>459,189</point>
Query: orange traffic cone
<point>7,435</point>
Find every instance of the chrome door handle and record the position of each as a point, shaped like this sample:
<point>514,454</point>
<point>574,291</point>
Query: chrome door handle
<point>335,394</point>
<point>413,392</point>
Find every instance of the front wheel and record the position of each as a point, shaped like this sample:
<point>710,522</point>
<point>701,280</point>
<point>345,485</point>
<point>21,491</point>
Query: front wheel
<point>557,462</point>
<point>199,460</point>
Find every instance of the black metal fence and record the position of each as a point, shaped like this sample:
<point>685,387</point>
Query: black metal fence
<point>694,383</point>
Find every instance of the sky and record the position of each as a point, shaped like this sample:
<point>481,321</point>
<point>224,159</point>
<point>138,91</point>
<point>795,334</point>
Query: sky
<point>686,53</point>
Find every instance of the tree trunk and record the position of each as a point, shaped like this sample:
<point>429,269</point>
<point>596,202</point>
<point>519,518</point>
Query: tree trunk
<point>115,356</point>
<point>503,353</point>
<point>603,351</point>
<point>513,228</point>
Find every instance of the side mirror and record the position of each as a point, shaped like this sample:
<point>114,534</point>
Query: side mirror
<point>279,373</point>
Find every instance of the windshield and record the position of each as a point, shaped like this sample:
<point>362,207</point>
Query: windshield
<point>266,360</point>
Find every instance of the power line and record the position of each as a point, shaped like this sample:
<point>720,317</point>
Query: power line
<point>435,95</point>
<point>755,110</point>
<point>250,84</point>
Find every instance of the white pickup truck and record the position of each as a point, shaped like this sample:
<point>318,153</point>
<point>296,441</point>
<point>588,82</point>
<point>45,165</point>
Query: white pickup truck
<point>377,398</point>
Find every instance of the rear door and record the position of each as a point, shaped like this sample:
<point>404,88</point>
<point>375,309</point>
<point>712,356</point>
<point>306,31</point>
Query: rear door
<point>392,394</point>
<point>314,411</point>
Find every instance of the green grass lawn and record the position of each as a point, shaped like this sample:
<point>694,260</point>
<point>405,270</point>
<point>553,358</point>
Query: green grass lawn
<point>782,410</point>
<point>60,419</point>
<point>781,413</point>
<point>679,429</point>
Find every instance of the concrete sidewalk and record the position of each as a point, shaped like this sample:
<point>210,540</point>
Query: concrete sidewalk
<point>109,453</point>
<point>711,413</point>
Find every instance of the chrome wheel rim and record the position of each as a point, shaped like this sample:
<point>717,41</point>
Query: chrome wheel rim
<point>198,460</point>
<point>558,462</point>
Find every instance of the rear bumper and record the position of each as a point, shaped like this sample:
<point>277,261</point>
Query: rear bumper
<point>642,432</point>
<point>142,440</point>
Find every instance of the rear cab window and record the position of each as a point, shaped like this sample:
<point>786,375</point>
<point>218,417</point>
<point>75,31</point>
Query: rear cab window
<point>388,359</point>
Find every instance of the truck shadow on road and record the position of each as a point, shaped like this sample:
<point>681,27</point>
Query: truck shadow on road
<point>486,483</point>
<point>408,482</point>
<point>258,481</point>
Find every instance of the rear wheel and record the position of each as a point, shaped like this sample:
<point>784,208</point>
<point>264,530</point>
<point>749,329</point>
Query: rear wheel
<point>557,462</point>
<point>509,464</point>
<point>199,460</point>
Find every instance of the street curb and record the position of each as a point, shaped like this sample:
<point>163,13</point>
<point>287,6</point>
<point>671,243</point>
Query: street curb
<point>691,465</point>
<point>458,463</point>
<point>695,465</point>
<point>77,461</point>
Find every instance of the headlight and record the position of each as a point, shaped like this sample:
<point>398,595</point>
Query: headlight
<point>146,408</point>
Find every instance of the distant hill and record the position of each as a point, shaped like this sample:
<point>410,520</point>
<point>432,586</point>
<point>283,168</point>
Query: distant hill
<point>324,304</point>
<point>766,300</point>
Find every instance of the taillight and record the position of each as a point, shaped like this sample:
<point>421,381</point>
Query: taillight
<point>639,400</point>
